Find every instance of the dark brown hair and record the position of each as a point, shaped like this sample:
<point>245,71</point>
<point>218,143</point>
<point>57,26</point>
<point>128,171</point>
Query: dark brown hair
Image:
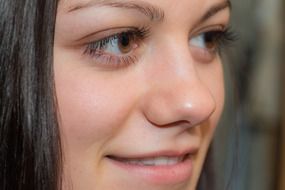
<point>29,139</point>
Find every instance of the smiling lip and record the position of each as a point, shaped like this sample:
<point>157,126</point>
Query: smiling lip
<point>166,167</point>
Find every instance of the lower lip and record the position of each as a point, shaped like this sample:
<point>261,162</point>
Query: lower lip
<point>164,175</point>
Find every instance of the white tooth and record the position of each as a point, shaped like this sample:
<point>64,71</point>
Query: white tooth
<point>148,161</point>
<point>172,161</point>
<point>159,161</point>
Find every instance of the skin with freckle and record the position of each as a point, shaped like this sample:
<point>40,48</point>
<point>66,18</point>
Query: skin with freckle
<point>165,103</point>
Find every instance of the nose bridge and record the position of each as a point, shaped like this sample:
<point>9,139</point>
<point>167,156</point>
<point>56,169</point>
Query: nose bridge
<point>176,92</point>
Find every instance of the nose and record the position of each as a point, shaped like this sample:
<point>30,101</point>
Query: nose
<point>177,94</point>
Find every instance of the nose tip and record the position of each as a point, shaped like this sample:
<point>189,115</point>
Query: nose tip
<point>180,102</point>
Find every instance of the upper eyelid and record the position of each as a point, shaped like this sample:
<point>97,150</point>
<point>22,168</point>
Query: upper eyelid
<point>206,29</point>
<point>103,34</point>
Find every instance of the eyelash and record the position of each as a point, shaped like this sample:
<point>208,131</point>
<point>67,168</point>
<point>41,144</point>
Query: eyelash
<point>221,39</point>
<point>96,49</point>
<point>218,39</point>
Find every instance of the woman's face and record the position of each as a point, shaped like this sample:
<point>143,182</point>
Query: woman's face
<point>140,90</point>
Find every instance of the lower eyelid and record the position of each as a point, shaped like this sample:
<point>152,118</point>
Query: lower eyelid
<point>203,55</point>
<point>114,62</point>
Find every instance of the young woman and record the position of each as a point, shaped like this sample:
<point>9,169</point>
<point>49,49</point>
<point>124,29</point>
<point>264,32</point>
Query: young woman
<point>109,94</point>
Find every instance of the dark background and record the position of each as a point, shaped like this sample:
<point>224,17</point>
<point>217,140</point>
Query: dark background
<point>250,142</point>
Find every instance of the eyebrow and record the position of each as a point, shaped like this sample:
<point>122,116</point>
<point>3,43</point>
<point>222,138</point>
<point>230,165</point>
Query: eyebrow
<point>216,9</point>
<point>152,12</point>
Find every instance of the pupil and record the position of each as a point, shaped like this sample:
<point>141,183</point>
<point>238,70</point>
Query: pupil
<point>209,38</point>
<point>125,40</point>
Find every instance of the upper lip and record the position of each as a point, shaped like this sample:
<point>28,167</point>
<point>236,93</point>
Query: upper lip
<point>160,153</point>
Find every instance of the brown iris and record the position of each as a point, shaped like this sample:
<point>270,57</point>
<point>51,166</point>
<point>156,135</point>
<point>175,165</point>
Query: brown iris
<point>125,42</point>
<point>211,39</point>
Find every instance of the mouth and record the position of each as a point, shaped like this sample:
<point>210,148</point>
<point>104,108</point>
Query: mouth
<point>163,168</point>
<point>152,161</point>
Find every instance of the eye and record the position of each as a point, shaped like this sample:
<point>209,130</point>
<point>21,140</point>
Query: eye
<point>207,40</point>
<point>118,49</point>
<point>119,44</point>
<point>208,44</point>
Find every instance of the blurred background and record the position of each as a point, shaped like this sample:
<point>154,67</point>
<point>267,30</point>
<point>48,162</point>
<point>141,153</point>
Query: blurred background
<point>250,142</point>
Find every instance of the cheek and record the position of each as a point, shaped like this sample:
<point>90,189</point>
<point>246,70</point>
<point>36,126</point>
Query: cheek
<point>212,77</point>
<point>218,91</point>
<point>91,108</point>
